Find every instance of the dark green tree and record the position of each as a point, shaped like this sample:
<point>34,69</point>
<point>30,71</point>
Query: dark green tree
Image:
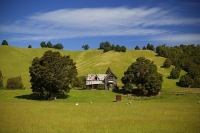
<point>49,45</point>
<point>149,46</point>
<point>195,83</point>
<point>1,80</point>
<point>85,47</point>
<point>175,73</point>
<point>117,48</point>
<point>14,83</point>
<point>29,46</point>
<point>4,42</point>
<point>144,48</point>
<point>106,49</point>
<point>143,73</point>
<point>185,81</point>
<point>58,46</point>
<point>123,49</point>
<point>137,48</point>
<point>43,44</point>
<point>167,63</point>
<point>79,82</point>
<point>113,47</point>
<point>52,74</point>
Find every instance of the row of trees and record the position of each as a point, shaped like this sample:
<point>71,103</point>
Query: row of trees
<point>186,57</point>
<point>148,47</point>
<point>50,45</point>
<point>106,46</point>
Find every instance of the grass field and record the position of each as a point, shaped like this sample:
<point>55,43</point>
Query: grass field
<point>174,110</point>
<point>166,113</point>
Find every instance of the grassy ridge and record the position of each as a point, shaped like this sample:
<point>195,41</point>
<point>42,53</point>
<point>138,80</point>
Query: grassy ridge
<point>16,62</point>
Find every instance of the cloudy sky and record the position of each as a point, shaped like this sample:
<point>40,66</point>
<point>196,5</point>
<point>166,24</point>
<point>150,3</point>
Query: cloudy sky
<point>77,22</point>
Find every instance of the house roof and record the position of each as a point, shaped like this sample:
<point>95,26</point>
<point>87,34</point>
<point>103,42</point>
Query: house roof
<point>93,76</point>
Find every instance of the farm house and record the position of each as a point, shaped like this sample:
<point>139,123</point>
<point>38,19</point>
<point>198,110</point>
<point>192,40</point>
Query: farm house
<point>101,81</point>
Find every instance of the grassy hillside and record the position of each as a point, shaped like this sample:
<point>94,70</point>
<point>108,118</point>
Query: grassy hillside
<point>16,61</point>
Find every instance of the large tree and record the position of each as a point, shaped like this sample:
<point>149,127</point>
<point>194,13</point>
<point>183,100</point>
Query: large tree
<point>52,74</point>
<point>143,73</point>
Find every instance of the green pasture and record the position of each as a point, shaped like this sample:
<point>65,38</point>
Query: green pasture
<point>175,110</point>
<point>166,113</point>
<point>16,61</point>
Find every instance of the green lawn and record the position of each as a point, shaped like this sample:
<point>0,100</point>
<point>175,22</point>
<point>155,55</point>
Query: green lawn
<point>165,113</point>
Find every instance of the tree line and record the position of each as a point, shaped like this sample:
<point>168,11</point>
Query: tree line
<point>186,57</point>
<point>50,45</point>
<point>106,46</point>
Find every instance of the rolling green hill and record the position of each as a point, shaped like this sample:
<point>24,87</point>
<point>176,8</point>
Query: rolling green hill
<point>16,61</point>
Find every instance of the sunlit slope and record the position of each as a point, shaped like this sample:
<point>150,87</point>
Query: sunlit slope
<point>16,61</point>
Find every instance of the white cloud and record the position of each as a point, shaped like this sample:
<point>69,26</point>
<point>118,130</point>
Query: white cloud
<point>178,38</point>
<point>87,22</point>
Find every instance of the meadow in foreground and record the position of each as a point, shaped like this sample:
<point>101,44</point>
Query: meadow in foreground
<point>165,113</point>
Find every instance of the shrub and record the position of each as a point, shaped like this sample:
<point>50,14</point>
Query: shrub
<point>185,81</point>
<point>1,80</point>
<point>167,63</point>
<point>14,83</point>
<point>175,73</point>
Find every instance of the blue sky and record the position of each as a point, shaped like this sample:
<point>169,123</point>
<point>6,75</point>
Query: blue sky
<point>78,22</point>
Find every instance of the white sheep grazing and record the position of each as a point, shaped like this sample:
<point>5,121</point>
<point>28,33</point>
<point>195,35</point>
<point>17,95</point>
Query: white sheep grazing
<point>129,103</point>
<point>90,102</point>
<point>76,104</point>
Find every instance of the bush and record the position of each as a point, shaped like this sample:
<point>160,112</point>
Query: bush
<point>1,80</point>
<point>167,63</point>
<point>14,83</point>
<point>185,81</point>
<point>175,73</point>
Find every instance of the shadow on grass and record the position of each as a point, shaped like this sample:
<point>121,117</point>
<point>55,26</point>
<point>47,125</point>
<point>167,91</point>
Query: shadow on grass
<point>28,97</point>
<point>35,97</point>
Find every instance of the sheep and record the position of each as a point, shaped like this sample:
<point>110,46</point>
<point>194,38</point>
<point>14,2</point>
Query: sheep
<point>90,103</point>
<point>76,104</point>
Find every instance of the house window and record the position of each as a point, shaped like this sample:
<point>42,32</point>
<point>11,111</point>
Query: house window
<point>95,78</point>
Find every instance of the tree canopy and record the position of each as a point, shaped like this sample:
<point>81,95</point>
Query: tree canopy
<point>167,63</point>
<point>52,74</point>
<point>4,42</point>
<point>143,74</point>
<point>186,57</point>
<point>106,46</point>
<point>85,47</point>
